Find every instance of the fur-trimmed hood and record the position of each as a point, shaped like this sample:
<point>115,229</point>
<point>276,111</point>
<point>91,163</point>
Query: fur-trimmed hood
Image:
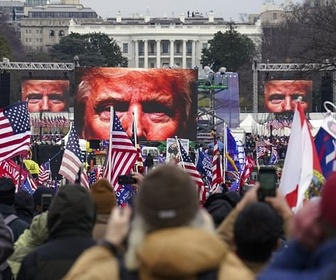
<point>180,253</point>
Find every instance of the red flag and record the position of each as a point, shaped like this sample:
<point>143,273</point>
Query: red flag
<point>14,130</point>
<point>122,153</point>
<point>302,171</point>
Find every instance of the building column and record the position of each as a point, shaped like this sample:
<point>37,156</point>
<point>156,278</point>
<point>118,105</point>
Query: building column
<point>184,54</point>
<point>193,54</point>
<point>171,62</point>
<point>158,53</point>
<point>145,53</point>
<point>136,56</point>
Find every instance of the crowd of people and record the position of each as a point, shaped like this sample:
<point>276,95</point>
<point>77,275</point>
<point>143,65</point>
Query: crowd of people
<point>163,232</point>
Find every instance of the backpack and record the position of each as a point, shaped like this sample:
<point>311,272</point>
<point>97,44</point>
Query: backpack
<point>5,270</point>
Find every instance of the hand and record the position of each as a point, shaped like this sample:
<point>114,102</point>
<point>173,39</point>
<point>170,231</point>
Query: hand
<point>306,226</point>
<point>118,225</point>
<point>249,197</point>
<point>139,177</point>
<point>279,203</point>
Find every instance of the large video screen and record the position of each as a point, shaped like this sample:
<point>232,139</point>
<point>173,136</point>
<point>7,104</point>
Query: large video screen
<point>280,96</point>
<point>162,101</point>
<point>46,95</point>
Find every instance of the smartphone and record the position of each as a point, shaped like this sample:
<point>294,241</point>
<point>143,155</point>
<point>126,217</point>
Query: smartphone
<point>268,179</point>
<point>126,180</point>
<point>46,201</point>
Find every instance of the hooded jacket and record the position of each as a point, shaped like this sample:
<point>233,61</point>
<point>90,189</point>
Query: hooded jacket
<point>70,222</point>
<point>177,253</point>
<point>28,241</point>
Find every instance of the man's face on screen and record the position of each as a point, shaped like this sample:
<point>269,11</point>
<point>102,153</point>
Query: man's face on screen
<point>45,95</point>
<point>152,103</point>
<point>282,95</point>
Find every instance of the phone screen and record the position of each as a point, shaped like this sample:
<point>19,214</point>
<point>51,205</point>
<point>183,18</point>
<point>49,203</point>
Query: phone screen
<point>267,179</point>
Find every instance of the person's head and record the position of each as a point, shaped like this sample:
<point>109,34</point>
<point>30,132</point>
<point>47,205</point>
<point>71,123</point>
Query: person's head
<point>159,99</point>
<point>72,211</point>
<point>281,95</point>
<point>257,232</point>
<point>24,202</point>
<point>7,191</point>
<point>42,198</point>
<point>46,95</point>
<point>103,196</point>
<point>167,198</point>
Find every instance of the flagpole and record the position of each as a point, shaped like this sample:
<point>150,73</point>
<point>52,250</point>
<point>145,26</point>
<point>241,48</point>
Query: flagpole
<point>179,150</point>
<point>20,173</point>
<point>224,152</point>
<point>135,137</point>
<point>110,145</point>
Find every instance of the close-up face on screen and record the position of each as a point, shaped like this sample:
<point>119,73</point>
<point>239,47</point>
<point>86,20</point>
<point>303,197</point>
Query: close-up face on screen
<point>46,95</point>
<point>280,96</point>
<point>163,102</point>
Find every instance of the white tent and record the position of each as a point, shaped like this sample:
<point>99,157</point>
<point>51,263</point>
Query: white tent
<point>249,124</point>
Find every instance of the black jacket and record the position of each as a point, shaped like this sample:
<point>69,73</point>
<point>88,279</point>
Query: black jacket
<point>70,222</point>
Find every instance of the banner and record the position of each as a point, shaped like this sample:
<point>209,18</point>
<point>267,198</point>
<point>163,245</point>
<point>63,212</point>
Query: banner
<point>172,148</point>
<point>10,169</point>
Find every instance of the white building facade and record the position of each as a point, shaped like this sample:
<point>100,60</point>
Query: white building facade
<point>159,42</point>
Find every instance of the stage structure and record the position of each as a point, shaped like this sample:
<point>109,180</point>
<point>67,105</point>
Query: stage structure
<point>289,67</point>
<point>208,86</point>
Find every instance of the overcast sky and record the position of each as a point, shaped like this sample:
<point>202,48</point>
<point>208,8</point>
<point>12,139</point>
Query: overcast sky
<point>160,8</point>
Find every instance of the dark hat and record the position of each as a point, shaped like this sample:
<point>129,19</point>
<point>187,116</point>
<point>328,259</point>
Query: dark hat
<point>167,197</point>
<point>39,192</point>
<point>7,191</point>
<point>24,200</point>
<point>104,196</point>
<point>328,200</point>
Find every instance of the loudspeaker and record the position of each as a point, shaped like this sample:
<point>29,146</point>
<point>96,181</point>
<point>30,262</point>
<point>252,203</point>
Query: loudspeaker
<point>326,89</point>
<point>4,89</point>
<point>42,153</point>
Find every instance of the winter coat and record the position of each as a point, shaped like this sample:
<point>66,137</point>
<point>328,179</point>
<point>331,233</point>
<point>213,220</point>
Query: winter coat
<point>70,223</point>
<point>297,263</point>
<point>6,243</point>
<point>17,226</point>
<point>176,253</point>
<point>28,241</point>
<point>100,226</point>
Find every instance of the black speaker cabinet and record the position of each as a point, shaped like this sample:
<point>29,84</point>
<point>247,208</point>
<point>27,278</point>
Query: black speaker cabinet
<point>4,89</point>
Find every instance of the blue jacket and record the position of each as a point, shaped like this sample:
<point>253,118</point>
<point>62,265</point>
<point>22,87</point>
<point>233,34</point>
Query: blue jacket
<point>295,263</point>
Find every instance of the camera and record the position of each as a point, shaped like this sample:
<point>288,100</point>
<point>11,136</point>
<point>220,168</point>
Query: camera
<point>268,179</point>
<point>46,201</point>
<point>126,180</point>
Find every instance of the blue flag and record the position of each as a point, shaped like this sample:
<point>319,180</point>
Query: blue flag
<point>204,166</point>
<point>326,150</point>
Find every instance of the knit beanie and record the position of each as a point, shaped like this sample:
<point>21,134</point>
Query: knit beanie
<point>167,197</point>
<point>328,200</point>
<point>104,196</point>
<point>7,191</point>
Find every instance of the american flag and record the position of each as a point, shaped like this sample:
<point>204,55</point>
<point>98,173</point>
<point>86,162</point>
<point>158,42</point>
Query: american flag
<point>123,154</point>
<point>187,164</point>
<point>44,173</point>
<point>261,151</point>
<point>72,160</point>
<point>14,130</point>
<point>217,169</point>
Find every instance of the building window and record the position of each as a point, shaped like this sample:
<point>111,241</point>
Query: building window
<point>189,48</point>
<point>152,65</point>
<point>61,33</point>
<point>204,46</point>
<point>275,16</point>
<point>165,47</point>
<point>125,48</point>
<point>178,47</point>
<point>51,33</point>
<point>151,47</point>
